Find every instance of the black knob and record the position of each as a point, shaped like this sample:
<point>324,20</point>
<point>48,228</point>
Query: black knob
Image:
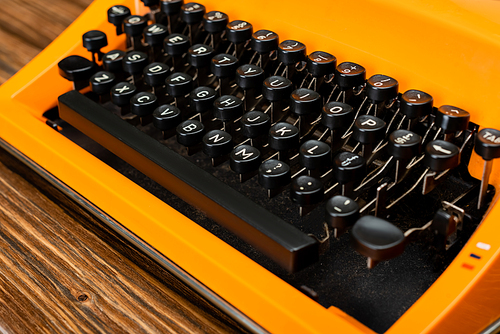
<point>200,55</point>
<point>381,88</point>
<point>155,74</point>
<point>255,124</point>
<point>224,65</point>
<point>122,92</point>
<point>274,174</point>
<point>155,33</point>
<point>348,167</point>
<point>291,52</point>
<point>239,31</point>
<point>341,212</point>
<point>306,190</point>
<point>264,41</point>
<point>349,75</point>
<point>171,7</point>
<point>143,104</point>
<point>150,3</point>
<point>488,144</point>
<point>134,62</point>
<point>321,63</point>
<point>314,154</point>
<point>202,99</point>
<point>337,115</point>
<point>377,239</point>
<point>176,44</point>
<point>441,155</point>
<point>217,143</point>
<point>117,14</point>
<point>415,104</point>
<point>76,68</point>
<point>404,144</point>
<point>101,82</point>
<point>190,132</point>
<point>215,22</point>
<point>452,119</point>
<point>283,136</point>
<point>276,88</point>
<point>112,61</point>
<point>249,76</point>
<point>305,101</point>
<point>179,84</point>
<point>368,129</point>
<point>228,108</point>
<point>166,117</point>
<point>134,25</point>
<point>244,159</point>
<point>192,13</point>
<point>94,40</point>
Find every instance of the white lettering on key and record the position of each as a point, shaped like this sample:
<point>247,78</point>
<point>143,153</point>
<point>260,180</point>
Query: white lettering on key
<point>348,161</point>
<point>200,49</point>
<point>336,109</point>
<point>312,149</point>
<point>203,93</point>
<point>175,39</point>
<point>143,98</point>
<point>224,59</point>
<point>228,102</point>
<point>369,122</point>
<point>155,69</point>
<point>190,127</point>
<point>253,119</point>
<point>178,78</point>
<point>155,29</point>
<point>283,131</point>
<point>244,154</point>
<point>490,137</point>
<point>304,96</point>
<point>134,19</point>
<point>276,83</point>
<point>216,138</point>
<point>103,77</point>
<point>118,10</point>
<point>122,89</point>
<point>250,70</point>
<point>441,149</point>
<point>166,112</point>
<point>113,56</point>
<point>134,57</point>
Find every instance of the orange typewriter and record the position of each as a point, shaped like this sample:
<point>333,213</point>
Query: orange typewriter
<point>309,168</point>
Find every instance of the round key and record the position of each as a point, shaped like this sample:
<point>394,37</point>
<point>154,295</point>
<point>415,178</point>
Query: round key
<point>283,136</point>
<point>217,143</point>
<point>112,61</point>
<point>76,68</point>
<point>368,129</point>
<point>337,115</point>
<point>94,40</point>
<point>276,88</point>
<point>134,62</point>
<point>155,74</point>
<point>348,167</point>
<point>349,75</point>
<point>166,117</point>
<point>134,25</point>
<point>306,190</point>
<point>452,119</point>
<point>403,144</point>
<point>314,154</point>
<point>239,31</point>
<point>377,239</point>
<point>341,212</point>
<point>274,174</point>
<point>321,63</point>
<point>122,92</point>
<point>487,144</point>
<point>171,7</point>
<point>224,65</point>
<point>190,132</point>
<point>249,76</point>
<point>192,13</point>
<point>202,99</point>
<point>244,159</point>
<point>200,55</point>
<point>255,124</point>
<point>228,108</point>
<point>291,52</point>
<point>143,104</point>
<point>101,82</point>
<point>264,41</point>
<point>415,104</point>
<point>381,88</point>
<point>305,101</point>
<point>215,22</point>
<point>441,155</point>
<point>117,14</point>
<point>155,33</point>
<point>176,44</point>
<point>179,84</point>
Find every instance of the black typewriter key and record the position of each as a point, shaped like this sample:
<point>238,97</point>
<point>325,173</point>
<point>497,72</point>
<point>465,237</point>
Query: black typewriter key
<point>192,13</point>
<point>154,34</point>
<point>249,78</point>
<point>403,145</point>
<point>215,22</point>
<point>116,15</point>
<point>77,70</point>
<point>101,83</point>
<point>178,85</point>
<point>176,45</point>
<point>112,61</point>
<point>451,120</point>
<point>228,108</point>
<point>143,104</point>
<point>202,99</point>
<point>304,102</point>
<point>368,130</point>
<point>239,31</point>
<point>348,168</point>
<point>264,41</point>
<point>441,155</point>
<point>350,75</point>
<point>290,53</point>
<point>255,124</point>
<point>487,145</point>
<point>94,41</point>
<point>134,26</point>
<point>224,66</point>
<point>245,160</point>
<point>216,144</point>
<point>274,175</point>
<point>276,89</point>
<point>283,137</point>
<point>380,88</point>
<point>315,155</point>
<point>321,64</point>
<point>415,104</point>
<point>190,132</point>
<point>134,63</point>
<point>377,239</point>
<point>200,55</point>
<point>341,212</point>
<point>121,93</point>
<point>337,117</point>
<point>166,117</point>
<point>171,8</point>
<point>155,75</point>
<point>306,191</point>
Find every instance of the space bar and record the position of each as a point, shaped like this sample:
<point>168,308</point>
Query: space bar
<point>279,240</point>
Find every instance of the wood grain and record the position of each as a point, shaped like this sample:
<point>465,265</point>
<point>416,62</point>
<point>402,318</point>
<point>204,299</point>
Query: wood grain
<point>61,270</point>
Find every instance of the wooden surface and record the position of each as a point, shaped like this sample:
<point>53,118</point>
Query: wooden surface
<point>60,269</point>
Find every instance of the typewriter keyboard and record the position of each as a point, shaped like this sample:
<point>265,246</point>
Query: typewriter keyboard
<point>310,166</point>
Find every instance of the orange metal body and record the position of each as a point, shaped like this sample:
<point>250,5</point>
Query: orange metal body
<point>448,48</point>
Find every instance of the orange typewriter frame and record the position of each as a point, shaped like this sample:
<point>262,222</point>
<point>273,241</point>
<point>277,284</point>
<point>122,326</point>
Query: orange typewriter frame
<point>448,35</point>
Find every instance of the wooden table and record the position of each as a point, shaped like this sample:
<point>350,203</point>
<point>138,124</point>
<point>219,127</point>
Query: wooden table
<point>61,270</point>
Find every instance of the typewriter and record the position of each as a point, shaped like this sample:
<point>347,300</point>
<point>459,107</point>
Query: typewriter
<point>307,167</point>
